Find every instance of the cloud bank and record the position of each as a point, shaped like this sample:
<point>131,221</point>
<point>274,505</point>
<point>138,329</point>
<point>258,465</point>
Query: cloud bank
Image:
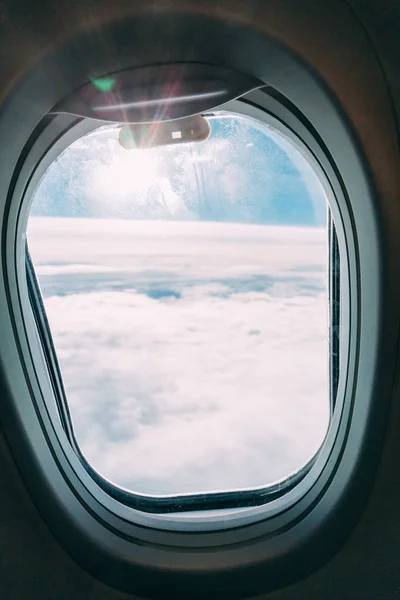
<point>194,355</point>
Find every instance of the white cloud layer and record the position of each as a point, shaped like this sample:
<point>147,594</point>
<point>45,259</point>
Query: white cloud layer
<point>194,355</point>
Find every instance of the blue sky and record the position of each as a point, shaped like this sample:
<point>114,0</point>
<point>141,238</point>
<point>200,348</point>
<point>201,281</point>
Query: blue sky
<point>244,172</point>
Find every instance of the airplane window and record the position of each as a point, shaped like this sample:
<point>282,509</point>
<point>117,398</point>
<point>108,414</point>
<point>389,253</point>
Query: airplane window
<point>187,290</point>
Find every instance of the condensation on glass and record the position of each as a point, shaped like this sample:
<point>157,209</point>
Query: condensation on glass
<point>186,289</point>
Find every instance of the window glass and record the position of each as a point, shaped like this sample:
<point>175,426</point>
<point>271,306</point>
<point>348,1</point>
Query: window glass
<point>186,289</point>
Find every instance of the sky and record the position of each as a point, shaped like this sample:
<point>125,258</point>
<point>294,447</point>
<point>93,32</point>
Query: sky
<point>191,325</point>
<point>242,173</point>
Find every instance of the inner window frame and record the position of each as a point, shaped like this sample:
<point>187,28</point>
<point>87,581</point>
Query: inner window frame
<point>74,128</point>
<point>204,501</point>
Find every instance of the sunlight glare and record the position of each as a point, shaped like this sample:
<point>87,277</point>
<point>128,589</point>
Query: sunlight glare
<point>129,172</point>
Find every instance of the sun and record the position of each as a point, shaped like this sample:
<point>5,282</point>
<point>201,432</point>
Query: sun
<point>126,173</point>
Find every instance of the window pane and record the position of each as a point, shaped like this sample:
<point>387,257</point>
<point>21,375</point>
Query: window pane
<point>186,289</point>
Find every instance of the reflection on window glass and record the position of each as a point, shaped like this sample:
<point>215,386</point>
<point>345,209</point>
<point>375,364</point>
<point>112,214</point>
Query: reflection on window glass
<point>186,291</point>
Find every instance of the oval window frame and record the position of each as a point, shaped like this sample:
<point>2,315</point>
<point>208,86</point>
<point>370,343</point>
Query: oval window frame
<point>300,545</point>
<point>267,110</point>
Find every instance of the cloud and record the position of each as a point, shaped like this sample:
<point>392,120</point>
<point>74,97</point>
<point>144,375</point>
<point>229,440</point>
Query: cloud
<point>194,355</point>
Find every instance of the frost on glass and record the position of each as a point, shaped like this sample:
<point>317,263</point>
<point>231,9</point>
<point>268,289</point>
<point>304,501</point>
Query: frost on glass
<point>186,290</point>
